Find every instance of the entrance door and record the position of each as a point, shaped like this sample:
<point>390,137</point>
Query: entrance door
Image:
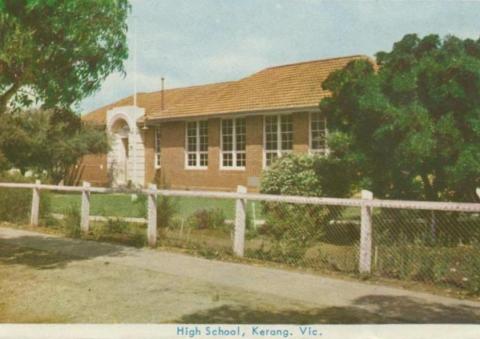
<point>120,156</point>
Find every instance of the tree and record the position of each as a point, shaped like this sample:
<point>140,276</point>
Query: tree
<point>57,52</point>
<point>50,141</point>
<point>411,123</point>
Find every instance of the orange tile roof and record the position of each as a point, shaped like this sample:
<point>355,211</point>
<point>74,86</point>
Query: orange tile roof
<point>289,86</point>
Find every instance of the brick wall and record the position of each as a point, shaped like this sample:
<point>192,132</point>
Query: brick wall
<point>173,173</point>
<point>92,168</point>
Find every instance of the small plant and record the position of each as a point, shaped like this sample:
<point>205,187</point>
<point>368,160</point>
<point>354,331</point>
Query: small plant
<point>116,225</point>
<point>167,207</point>
<point>207,219</point>
<point>71,222</point>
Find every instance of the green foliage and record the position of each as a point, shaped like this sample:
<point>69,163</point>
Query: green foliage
<point>308,175</point>
<point>116,225</point>
<point>207,219</point>
<point>293,227</point>
<point>119,231</point>
<point>50,142</point>
<point>292,174</point>
<point>457,266</point>
<point>410,129</point>
<point>58,52</point>
<point>71,222</point>
<point>15,203</point>
<point>167,208</point>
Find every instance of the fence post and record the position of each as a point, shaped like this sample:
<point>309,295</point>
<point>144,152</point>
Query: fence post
<point>240,221</point>
<point>365,260</point>
<point>85,212</point>
<point>152,215</point>
<point>35,212</point>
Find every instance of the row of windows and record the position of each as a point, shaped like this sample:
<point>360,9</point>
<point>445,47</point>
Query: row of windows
<point>278,140</point>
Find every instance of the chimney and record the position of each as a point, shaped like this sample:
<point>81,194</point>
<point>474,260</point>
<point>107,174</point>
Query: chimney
<point>163,94</point>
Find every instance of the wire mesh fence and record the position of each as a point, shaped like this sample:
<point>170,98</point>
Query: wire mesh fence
<point>305,235</point>
<point>432,243</point>
<point>431,246</point>
<point>202,225</point>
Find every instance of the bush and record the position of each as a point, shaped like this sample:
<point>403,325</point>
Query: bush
<point>15,203</point>
<point>308,175</point>
<point>120,231</point>
<point>167,208</point>
<point>294,227</point>
<point>207,219</point>
<point>71,222</point>
<point>116,225</point>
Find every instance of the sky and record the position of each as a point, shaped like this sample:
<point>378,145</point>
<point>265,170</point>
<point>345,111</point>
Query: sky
<point>191,42</point>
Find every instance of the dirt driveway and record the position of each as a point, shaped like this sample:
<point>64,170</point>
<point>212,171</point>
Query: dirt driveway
<point>51,279</point>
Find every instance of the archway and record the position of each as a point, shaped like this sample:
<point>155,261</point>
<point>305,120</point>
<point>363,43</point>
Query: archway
<point>120,132</point>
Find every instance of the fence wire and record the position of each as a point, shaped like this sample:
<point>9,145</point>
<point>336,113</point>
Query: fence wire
<point>202,225</point>
<point>437,247</point>
<point>310,236</point>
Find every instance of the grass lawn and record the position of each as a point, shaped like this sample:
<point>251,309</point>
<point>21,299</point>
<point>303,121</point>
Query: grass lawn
<point>122,205</point>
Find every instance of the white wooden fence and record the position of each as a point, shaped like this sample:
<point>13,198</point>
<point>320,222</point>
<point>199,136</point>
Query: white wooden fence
<point>366,204</point>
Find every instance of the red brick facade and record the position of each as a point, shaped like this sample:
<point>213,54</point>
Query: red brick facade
<point>173,172</point>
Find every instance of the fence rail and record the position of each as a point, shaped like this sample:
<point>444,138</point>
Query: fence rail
<point>403,204</point>
<point>367,248</point>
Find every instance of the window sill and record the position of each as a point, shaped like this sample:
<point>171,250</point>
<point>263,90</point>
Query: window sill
<point>188,168</point>
<point>240,169</point>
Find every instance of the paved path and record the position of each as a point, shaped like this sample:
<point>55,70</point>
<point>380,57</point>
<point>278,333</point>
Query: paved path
<point>52,279</point>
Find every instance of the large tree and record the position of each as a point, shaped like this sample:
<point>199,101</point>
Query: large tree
<point>57,52</point>
<point>411,122</point>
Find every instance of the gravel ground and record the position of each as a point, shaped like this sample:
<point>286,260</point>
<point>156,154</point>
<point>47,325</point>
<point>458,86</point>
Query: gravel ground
<point>48,279</point>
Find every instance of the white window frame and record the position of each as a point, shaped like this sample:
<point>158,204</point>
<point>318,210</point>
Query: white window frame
<point>311,150</point>
<point>197,151</point>
<point>234,150</point>
<point>279,149</point>
<point>158,148</point>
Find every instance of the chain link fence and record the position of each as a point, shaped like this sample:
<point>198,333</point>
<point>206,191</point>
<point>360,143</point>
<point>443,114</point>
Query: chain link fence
<point>307,236</point>
<point>429,242</point>
<point>432,246</point>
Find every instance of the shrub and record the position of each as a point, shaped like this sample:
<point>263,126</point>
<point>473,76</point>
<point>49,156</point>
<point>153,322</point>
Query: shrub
<point>116,225</point>
<point>308,175</point>
<point>207,219</point>
<point>71,222</point>
<point>295,226</point>
<point>121,231</point>
<point>167,208</point>
<point>15,203</point>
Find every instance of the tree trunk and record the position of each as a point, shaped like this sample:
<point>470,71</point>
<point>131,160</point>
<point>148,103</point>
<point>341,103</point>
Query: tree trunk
<point>5,97</point>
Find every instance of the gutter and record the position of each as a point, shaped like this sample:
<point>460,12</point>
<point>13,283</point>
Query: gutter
<point>147,119</point>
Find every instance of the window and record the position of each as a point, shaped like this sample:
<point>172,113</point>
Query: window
<point>318,134</point>
<point>158,152</point>
<point>233,143</point>
<point>278,137</point>
<point>197,144</point>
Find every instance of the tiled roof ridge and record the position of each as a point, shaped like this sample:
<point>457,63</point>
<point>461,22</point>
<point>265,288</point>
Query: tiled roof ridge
<point>188,87</point>
<point>317,60</point>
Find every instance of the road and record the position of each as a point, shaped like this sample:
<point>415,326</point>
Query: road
<point>49,279</point>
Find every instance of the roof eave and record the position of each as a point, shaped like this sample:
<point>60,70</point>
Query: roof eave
<point>222,114</point>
